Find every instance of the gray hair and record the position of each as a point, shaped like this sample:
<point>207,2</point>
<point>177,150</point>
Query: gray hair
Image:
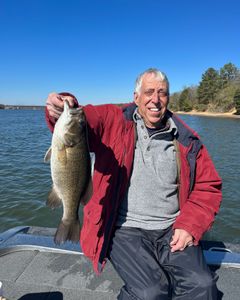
<point>158,74</point>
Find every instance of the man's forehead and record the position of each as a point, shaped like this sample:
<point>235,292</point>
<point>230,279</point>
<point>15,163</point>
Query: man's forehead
<point>151,80</point>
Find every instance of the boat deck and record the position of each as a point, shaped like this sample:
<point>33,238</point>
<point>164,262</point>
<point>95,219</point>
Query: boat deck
<point>30,271</point>
<point>35,274</point>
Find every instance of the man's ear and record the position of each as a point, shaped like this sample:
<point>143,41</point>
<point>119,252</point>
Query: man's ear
<point>136,98</point>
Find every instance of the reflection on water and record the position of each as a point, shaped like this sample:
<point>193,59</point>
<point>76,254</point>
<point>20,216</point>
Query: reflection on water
<point>25,179</point>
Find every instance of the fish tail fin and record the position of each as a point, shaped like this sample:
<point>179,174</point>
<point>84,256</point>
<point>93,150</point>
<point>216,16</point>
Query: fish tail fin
<point>67,231</point>
<point>53,200</point>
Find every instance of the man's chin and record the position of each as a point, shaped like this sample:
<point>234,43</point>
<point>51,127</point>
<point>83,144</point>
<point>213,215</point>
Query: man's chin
<point>155,122</point>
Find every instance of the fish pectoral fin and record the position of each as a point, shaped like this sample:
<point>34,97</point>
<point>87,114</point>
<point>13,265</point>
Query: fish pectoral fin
<point>62,156</point>
<point>48,154</point>
<point>53,200</point>
<point>88,193</point>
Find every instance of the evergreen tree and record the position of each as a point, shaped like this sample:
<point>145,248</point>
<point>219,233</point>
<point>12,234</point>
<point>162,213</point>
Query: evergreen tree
<point>228,73</point>
<point>224,99</point>
<point>174,101</point>
<point>185,103</point>
<point>236,100</point>
<point>215,92</point>
<point>193,95</point>
<point>208,87</point>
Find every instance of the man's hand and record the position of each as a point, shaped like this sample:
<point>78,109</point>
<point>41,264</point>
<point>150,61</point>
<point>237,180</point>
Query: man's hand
<point>180,240</point>
<point>55,104</point>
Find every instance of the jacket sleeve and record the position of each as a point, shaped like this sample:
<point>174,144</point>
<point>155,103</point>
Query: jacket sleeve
<point>100,119</point>
<point>199,207</point>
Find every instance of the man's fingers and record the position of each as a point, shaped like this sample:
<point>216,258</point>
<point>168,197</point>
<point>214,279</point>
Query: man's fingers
<point>175,238</point>
<point>180,240</point>
<point>54,112</point>
<point>179,246</point>
<point>69,99</point>
<point>55,103</point>
<point>190,244</point>
<point>55,100</point>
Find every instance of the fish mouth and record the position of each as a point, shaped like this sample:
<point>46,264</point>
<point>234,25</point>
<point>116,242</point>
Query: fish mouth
<point>75,115</point>
<point>72,111</point>
<point>75,111</point>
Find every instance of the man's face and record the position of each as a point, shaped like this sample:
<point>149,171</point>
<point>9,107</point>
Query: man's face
<point>152,100</point>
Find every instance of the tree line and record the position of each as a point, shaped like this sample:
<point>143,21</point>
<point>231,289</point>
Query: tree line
<point>218,91</point>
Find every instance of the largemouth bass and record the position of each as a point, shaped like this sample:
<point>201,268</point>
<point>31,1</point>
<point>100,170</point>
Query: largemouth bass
<point>70,170</point>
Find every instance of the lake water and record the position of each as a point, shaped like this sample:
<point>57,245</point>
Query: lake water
<point>25,180</point>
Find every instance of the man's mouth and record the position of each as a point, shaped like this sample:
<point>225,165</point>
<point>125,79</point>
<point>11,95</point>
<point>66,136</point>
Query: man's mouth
<point>155,109</point>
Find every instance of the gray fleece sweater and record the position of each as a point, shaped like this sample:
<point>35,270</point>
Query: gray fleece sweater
<point>151,201</point>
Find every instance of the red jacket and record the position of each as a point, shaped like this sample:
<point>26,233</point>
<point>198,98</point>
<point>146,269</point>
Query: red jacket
<point>111,132</point>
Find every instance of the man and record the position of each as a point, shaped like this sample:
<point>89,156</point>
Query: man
<point>156,192</point>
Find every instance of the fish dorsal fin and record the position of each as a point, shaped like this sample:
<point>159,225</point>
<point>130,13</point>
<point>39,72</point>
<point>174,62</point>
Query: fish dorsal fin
<point>48,154</point>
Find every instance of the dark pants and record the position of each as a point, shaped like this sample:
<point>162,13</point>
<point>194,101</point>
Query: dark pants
<point>143,260</point>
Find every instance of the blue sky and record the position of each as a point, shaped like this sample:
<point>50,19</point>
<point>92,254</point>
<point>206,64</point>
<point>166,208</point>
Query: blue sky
<point>95,49</point>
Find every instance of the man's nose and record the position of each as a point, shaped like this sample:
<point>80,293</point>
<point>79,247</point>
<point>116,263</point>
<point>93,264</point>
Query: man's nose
<point>155,97</point>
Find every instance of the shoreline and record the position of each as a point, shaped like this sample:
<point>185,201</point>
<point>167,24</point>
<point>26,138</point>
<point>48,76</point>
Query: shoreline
<point>230,114</point>
<point>20,107</point>
<point>209,114</point>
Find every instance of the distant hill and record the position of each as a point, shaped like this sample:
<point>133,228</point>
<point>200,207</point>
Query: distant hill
<point>30,107</point>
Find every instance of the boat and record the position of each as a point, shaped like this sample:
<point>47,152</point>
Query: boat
<point>32,267</point>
